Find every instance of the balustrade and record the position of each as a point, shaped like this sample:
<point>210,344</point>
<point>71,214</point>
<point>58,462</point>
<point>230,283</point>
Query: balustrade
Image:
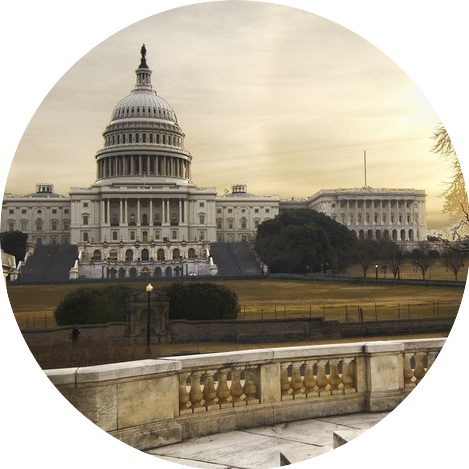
<point>220,388</point>
<point>416,366</point>
<point>195,395</point>
<point>318,378</point>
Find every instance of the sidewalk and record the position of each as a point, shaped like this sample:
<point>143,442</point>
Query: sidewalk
<point>260,447</point>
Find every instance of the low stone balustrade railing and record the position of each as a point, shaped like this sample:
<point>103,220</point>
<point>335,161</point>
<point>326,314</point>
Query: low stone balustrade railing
<point>152,403</point>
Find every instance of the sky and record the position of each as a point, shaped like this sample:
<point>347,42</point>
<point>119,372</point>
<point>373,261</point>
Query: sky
<point>267,95</point>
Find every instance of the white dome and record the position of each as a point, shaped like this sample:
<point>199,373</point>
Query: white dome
<point>143,104</point>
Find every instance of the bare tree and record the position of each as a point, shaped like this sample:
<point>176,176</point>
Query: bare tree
<point>456,203</point>
<point>453,259</point>
<point>423,257</point>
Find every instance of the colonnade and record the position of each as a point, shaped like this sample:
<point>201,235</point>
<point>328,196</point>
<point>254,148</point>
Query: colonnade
<point>144,211</point>
<point>380,212</point>
<point>140,165</point>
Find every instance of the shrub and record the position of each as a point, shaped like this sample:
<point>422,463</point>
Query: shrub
<point>201,301</point>
<point>93,306</point>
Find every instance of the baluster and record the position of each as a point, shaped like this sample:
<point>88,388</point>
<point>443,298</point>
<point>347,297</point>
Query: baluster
<point>309,382</point>
<point>183,395</point>
<point>223,393</point>
<point>431,358</point>
<point>250,388</point>
<point>210,394</point>
<point>296,382</point>
<point>195,394</point>
<point>236,389</point>
<point>321,378</point>
<point>348,374</point>
<point>334,377</point>
<point>285,382</point>
<point>408,372</point>
<point>419,370</point>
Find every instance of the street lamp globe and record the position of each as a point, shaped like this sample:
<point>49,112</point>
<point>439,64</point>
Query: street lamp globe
<point>149,288</point>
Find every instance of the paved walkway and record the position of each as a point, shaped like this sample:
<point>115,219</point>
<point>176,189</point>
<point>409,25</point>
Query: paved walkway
<point>260,447</point>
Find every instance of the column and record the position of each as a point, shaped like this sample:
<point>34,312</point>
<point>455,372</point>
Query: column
<point>103,212</point>
<point>120,211</point>
<point>108,211</point>
<point>168,214</point>
<point>150,217</point>
<point>163,211</point>
<point>180,211</point>
<point>138,212</point>
<point>125,211</point>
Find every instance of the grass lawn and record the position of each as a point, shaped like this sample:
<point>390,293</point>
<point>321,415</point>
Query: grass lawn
<point>33,305</point>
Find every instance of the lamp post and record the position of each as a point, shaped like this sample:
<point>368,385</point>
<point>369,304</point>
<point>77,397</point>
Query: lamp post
<point>148,289</point>
<point>376,271</point>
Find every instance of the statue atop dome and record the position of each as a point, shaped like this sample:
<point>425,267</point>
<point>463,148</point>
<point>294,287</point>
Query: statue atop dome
<point>143,61</point>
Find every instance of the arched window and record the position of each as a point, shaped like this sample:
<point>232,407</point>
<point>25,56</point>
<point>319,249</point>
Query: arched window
<point>113,255</point>
<point>145,255</point>
<point>39,224</point>
<point>243,223</point>
<point>191,253</point>
<point>132,272</point>
<point>129,255</point>
<point>176,254</point>
<point>96,255</point>
<point>160,255</point>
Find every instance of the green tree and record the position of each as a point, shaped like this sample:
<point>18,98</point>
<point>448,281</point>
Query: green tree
<point>88,305</point>
<point>201,301</point>
<point>14,243</point>
<point>302,241</point>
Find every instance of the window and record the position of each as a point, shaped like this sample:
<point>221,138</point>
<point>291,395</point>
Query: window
<point>176,254</point>
<point>202,219</point>
<point>66,211</point>
<point>201,204</point>
<point>38,224</point>
<point>230,210</point>
<point>85,219</point>
<point>129,255</point>
<point>174,234</point>
<point>112,254</point>
<point>191,253</point>
<point>85,204</point>
<point>267,210</point>
<point>11,211</point>
<point>132,235</point>
<point>54,211</point>
<point>86,237</point>
<point>23,211</point>
<point>53,225</point>
<point>114,235</point>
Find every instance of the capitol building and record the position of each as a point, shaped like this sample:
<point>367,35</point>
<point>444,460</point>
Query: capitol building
<point>144,216</point>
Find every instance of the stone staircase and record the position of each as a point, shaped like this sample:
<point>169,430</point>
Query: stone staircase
<point>235,260</point>
<point>49,263</point>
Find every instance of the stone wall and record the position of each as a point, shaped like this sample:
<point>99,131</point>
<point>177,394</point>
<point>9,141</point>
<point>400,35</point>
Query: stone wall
<point>265,331</point>
<point>153,403</point>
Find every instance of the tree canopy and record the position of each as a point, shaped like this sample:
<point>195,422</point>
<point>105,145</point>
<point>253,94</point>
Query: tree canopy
<point>302,241</point>
<point>14,243</point>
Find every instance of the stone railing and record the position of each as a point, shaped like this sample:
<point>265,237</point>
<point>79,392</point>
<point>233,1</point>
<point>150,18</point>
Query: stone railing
<point>153,403</point>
